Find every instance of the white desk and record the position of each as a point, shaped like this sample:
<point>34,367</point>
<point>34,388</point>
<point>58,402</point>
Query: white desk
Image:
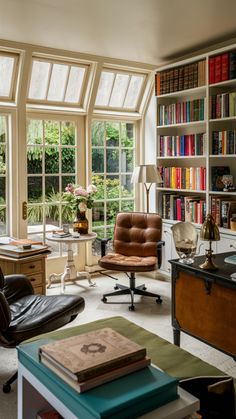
<point>70,273</point>
<point>34,396</point>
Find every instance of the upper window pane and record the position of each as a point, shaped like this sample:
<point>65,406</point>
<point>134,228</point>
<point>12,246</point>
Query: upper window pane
<point>133,91</point>
<point>39,80</point>
<point>7,65</point>
<point>119,90</point>
<point>57,82</point>
<point>104,88</point>
<point>74,85</point>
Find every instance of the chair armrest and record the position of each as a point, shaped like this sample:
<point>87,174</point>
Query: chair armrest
<point>160,244</point>
<point>16,286</point>
<point>104,242</point>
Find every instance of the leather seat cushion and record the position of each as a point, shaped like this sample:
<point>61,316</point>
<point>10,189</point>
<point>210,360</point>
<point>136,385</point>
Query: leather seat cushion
<point>119,262</point>
<point>37,314</point>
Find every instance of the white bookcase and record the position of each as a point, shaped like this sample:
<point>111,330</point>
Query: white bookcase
<point>179,129</point>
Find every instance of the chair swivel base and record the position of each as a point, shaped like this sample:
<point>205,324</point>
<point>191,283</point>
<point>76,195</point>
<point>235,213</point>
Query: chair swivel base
<point>132,290</point>
<point>6,388</point>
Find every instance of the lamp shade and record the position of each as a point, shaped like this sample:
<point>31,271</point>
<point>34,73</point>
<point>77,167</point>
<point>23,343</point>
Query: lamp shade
<point>209,230</point>
<point>146,173</point>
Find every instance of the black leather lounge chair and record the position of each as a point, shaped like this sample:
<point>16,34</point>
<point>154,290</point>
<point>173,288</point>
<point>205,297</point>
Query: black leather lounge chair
<point>24,315</point>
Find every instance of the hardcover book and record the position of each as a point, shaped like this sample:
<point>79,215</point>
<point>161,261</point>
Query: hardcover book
<point>90,354</point>
<point>86,385</point>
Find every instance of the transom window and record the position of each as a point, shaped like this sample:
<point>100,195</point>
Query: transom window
<point>8,64</point>
<point>113,154</point>
<point>57,82</point>
<point>119,90</point>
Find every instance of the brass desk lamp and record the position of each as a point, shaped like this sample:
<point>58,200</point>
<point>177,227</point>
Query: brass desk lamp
<point>209,232</point>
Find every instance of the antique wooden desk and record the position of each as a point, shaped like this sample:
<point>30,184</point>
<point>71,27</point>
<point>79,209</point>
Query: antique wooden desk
<point>204,303</point>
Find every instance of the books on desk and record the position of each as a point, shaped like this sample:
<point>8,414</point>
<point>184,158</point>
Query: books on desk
<point>18,251</point>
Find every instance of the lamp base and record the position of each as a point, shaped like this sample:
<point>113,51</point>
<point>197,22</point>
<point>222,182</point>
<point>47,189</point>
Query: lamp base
<point>209,264</point>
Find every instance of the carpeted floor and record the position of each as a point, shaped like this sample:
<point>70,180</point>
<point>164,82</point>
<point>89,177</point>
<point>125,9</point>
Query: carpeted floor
<point>153,317</point>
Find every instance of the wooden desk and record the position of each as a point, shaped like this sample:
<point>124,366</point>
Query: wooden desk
<point>204,303</point>
<point>33,267</point>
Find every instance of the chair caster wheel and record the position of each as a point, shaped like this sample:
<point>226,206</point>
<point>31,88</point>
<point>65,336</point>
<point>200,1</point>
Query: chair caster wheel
<point>104,299</point>
<point>116,287</point>
<point>6,388</point>
<point>158,300</point>
<point>131,308</point>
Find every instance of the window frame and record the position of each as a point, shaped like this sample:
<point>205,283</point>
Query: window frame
<point>11,98</point>
<point>60,105</point>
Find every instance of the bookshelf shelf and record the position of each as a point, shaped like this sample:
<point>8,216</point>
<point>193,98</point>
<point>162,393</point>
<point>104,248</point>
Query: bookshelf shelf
<point>209,83</point>
<point>183,125</point>
<point>184,93</point>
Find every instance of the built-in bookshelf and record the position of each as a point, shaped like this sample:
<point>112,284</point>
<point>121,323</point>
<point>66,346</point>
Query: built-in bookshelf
<point>196,138</point>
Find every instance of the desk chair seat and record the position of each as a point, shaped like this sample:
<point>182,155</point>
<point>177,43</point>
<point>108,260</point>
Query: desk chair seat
<point>24,315</point>
<point>137,248</point>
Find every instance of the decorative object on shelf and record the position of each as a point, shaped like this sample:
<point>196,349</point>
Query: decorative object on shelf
<point>146,174</point>
<point>79,199</point>
<point>227,180</point>
<point>185,239</point>
<point>217,173</point>
<point>209,232</point>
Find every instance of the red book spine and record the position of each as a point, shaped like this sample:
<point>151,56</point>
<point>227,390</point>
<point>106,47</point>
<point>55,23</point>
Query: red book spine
<point>218,69</point>
<point>212,70</point>
<point>178,209</point>
<point>225,67</point>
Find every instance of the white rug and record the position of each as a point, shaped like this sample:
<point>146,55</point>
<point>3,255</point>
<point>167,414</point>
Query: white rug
<point>154,317</point>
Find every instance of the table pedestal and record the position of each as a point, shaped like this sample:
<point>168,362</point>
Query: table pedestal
<point>70,273</point>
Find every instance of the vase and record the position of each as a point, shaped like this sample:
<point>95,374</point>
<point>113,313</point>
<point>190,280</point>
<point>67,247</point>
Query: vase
<point>80,224</point>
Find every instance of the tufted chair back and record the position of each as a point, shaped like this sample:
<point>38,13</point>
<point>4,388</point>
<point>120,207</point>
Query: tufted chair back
<point>137,233</point>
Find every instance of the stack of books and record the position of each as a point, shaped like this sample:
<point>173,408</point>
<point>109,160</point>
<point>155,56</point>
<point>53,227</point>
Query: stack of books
<point>91,359</point>
<point>112,372</point>
<point>20,250</point>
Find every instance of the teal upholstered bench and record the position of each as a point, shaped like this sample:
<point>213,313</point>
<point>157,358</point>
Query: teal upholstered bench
<point>170,358</point>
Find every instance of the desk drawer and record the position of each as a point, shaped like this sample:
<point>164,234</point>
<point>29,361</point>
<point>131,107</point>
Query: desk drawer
<point>32,266</point>
<point>39,290</point>
<point>36,279</point>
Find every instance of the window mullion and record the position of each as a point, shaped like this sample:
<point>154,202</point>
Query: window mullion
<point>49,79</point>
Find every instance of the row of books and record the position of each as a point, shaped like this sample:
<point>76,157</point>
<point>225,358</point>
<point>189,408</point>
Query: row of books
<point>107,363</point>
<point>179,78</point>
<point>224,142</point>
<point>183,208</point>
<point>222,105</point>
<point>182,145</point>
<point>191,178</point>
<point>182,112</point>
<point>222,67</point>
<point>222,210</point>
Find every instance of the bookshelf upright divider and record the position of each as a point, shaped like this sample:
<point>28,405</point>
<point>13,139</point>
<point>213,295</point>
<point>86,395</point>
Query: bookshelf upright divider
<point>196,140</point>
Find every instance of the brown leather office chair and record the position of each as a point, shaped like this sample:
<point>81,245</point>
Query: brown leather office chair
<point>24,314</point>
<point>137,248</point>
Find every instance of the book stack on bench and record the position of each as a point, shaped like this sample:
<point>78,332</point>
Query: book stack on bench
<point>114,373</point>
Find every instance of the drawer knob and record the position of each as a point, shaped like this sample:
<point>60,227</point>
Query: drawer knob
<point>32,266</point>
<point>32,279</point>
